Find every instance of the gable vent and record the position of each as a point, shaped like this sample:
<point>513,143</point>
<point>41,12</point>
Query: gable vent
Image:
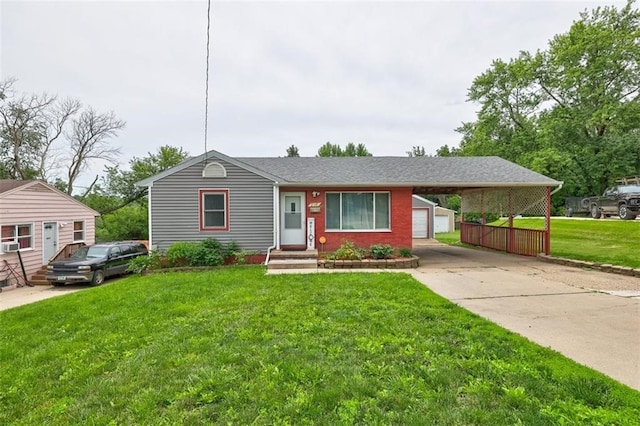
<point>214,170</point>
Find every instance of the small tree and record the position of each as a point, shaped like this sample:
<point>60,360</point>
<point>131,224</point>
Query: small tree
<point>417,151</point>
<point>292,151</point>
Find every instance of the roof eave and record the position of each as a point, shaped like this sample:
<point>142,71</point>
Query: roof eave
<point>148,182</point>
<point>461,185</point>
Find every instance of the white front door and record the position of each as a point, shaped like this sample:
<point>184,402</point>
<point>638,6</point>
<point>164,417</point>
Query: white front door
<point>292,218</point>
<point>49,240</point>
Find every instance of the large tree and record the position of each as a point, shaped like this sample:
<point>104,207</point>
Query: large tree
<point>571,111</point>
<point>43,137</point>
<point>118,186</point>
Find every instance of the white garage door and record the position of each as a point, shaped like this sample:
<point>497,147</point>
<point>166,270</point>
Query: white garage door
<point>441,224</point>
<point>420,223</point>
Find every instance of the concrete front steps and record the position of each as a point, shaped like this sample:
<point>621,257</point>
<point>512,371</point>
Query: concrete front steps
<point>299,259</point>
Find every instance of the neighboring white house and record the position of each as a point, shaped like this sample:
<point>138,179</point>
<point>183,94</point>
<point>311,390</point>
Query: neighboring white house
<point>38,220</point>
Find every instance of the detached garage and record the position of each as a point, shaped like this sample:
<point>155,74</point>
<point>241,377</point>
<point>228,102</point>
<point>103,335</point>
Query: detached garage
<point>444,220</point>
<point>423,214</point>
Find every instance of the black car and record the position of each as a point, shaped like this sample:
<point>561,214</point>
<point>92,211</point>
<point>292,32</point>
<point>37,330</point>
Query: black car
<point>92,264</point>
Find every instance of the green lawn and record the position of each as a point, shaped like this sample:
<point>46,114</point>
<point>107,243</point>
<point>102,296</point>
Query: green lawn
<point>603,241</point>
<point>234,346</point>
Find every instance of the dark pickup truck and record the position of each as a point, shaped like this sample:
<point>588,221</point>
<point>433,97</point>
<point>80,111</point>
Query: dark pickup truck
<point>622,200</point>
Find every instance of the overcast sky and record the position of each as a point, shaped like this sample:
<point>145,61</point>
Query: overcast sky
<point>389,74</point>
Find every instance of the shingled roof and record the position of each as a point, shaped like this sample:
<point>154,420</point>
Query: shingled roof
<point>9,184</point>
<point>399,171</point>
<point>450,173</point>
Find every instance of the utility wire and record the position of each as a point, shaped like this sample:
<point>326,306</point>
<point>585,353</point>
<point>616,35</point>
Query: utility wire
<point>206,90</point>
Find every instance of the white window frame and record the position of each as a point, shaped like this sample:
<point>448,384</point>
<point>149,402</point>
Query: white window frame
<point>16,238</point>
<point>83,230</point>
<point>374,229</point>
<point>201,207</point>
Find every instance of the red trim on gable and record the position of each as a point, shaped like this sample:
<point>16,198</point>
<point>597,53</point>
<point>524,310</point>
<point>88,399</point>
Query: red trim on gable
<point>201,193</point>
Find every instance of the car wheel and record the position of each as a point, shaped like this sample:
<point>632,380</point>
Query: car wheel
<point>624,213</point>
<point>98,277</point>
<point>595,212</point>
<point>585,203</point>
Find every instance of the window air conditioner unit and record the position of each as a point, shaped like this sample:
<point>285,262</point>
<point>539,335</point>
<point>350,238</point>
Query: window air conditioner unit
<point>9,247</point>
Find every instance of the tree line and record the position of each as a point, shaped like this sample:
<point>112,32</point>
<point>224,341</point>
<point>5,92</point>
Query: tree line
<point>570,111</point>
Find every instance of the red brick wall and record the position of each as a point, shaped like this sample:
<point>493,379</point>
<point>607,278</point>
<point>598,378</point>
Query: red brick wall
<point>401,226</point>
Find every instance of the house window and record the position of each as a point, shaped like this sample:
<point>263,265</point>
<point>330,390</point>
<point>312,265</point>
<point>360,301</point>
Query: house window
<point>214,209</point>
<point>21,234</point>
<point>78,230</point>
<point>360,211</point>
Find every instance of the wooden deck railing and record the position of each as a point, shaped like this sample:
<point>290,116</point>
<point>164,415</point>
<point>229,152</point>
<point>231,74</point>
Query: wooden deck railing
<point>66,251</point>
<point>527,242</point>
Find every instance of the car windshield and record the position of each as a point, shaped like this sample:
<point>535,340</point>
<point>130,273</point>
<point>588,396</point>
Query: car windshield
<point>92,252</point>
<point>629,189</point>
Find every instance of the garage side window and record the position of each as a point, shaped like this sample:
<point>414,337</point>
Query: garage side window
<point>214,209</point>
<point>78,231</point>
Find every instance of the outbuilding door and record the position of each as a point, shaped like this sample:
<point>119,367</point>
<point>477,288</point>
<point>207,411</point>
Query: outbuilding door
<point>441,224</point>
<point>420,223</point>
<point>292,218</point>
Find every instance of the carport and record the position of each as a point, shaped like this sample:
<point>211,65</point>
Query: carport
<point>504,190</point>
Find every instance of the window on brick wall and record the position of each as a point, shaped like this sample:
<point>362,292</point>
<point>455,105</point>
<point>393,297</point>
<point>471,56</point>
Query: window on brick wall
<point>358,211</point>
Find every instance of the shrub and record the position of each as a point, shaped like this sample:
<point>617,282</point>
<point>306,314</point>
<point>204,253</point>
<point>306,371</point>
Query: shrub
<point>181,253</point>
<point>241,256</point>
<point>143,263</point>
<point>404,252</point>
<point>231,248</point>
<point>347,251</point>
<point>381,251</point>
<point>209,252</point>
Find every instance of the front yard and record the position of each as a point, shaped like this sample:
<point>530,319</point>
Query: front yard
<point>236,346</point>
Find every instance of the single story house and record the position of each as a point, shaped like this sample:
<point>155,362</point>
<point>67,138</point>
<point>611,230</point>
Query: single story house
<point>312,202</point>
<point>38,220</point>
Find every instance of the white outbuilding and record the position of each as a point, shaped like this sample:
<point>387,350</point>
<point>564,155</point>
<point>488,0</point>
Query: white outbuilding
<point>423,215</point>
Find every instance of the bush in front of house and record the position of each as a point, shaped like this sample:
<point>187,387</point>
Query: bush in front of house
<point>381,251</point>
<point>347,251</point>
<point>209,252</point>
<point>404,252</point>
<point>140,264</point>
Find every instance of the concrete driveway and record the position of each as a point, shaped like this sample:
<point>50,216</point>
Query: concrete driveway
<point>24,295</point>
<point>565,308</point>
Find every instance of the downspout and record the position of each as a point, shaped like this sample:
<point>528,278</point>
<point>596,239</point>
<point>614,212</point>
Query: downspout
<point>149,216</point>
<point>276,222</point>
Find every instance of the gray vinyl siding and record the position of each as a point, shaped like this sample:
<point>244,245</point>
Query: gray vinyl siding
<point>175,215</point>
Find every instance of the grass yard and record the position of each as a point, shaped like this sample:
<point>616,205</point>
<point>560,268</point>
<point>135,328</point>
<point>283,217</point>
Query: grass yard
<point>603,241</point>
<point>234,346</point>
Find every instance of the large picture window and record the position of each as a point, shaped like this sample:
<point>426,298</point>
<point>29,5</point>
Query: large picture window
<point>357,211</point>
<point>21,234</point>
<point>214,209</point>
